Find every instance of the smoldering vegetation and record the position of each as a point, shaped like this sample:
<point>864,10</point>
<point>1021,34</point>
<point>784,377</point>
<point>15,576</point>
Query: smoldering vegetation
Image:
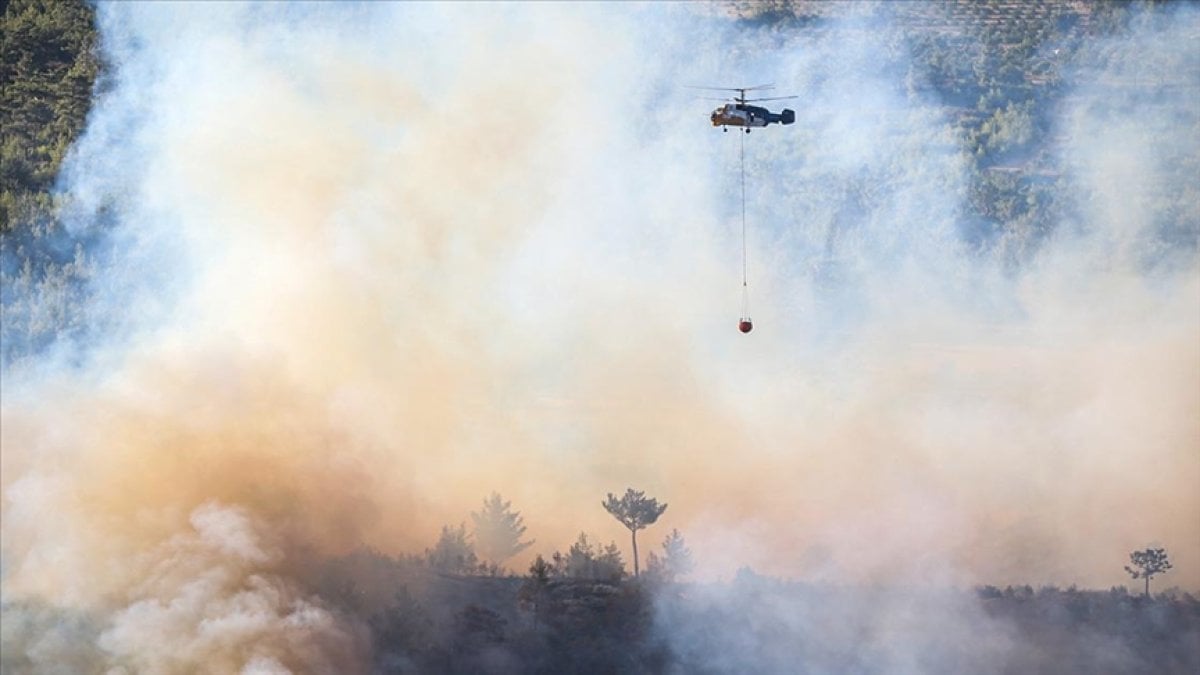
<point>315,277</point>
<point>412,619</point>
<point>401,616</point>
<point>770,625</point>
<point>571,623</point>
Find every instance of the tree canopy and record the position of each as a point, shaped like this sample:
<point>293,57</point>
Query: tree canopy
<point>48,65</point>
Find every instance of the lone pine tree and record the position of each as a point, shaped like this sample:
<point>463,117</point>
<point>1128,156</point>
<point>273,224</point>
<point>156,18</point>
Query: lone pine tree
<point>635,511</point>
<point>1148,563</point>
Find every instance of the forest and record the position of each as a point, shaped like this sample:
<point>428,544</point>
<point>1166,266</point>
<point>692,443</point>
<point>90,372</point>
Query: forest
<point>998,72</point>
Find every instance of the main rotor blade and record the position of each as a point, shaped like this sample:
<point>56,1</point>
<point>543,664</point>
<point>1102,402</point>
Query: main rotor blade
<point>759,86</point>
<point>773,98</point>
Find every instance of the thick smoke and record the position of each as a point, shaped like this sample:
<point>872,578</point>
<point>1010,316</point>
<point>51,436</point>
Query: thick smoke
<point>372,262</point>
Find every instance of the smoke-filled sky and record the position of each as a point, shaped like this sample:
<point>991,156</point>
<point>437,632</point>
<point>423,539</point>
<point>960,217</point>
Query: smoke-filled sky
<point>374,262</point>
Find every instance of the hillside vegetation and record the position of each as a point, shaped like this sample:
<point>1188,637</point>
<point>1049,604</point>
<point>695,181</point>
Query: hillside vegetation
<point>48,64</point>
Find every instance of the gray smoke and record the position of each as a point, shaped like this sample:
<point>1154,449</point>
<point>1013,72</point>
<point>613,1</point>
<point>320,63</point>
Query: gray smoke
<point>371,262</point>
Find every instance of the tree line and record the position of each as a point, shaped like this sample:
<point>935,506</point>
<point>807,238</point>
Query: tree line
<point>497,534</point>
<point>571,614</point>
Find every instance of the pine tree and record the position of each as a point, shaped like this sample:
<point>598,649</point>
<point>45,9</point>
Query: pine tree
<point>587,561</point>
<point>635,511</point>
<point>452,554</point>
<point>676,560</point>
<point>1149,562</point>
<point>535,590</point>
<point>498,530</point>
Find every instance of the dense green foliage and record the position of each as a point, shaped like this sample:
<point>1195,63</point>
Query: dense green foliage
<point>48,64</point>
<point>48,68</point>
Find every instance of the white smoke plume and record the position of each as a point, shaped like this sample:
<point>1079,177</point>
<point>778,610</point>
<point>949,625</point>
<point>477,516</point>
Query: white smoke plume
<point>372,262</point>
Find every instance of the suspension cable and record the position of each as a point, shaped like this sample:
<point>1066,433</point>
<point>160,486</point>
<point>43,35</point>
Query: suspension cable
<point>745,287</point>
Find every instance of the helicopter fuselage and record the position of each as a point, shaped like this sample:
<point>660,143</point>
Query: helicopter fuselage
<point>742,115</point>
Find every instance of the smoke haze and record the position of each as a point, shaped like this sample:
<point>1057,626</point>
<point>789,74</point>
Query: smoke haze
<point>372,262</point>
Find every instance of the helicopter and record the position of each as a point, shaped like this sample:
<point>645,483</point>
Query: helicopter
<point>740,114</point>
